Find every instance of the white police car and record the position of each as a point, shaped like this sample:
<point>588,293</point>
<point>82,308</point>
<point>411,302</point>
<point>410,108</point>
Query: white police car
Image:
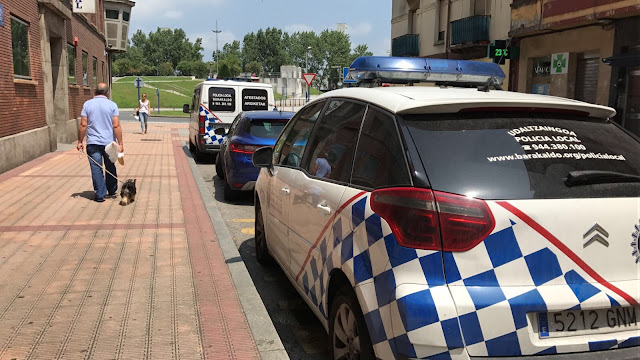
<point>455,223</point>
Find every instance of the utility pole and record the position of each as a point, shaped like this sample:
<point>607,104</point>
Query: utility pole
<point>216,31</point>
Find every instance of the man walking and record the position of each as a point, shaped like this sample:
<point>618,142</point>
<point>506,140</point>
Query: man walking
<point>100,122</point>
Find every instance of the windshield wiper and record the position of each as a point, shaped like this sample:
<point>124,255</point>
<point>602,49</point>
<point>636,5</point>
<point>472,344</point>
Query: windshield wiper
<point>589,177</point>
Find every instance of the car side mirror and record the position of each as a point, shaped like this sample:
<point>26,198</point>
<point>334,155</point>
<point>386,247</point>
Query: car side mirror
<point>220,131</point>
<point>185,108</point>
<point>263,157</point>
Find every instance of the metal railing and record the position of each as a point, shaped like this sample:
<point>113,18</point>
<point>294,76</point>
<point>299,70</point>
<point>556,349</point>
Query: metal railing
<point>472,29</point>
<point>406,45</point>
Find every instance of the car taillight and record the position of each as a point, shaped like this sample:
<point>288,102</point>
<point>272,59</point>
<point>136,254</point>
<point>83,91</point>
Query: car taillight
<point>433,220</point>
<point>201,124</point>
<point>244,149</point>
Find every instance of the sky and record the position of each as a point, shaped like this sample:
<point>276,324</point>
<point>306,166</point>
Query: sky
<point>368,21</point>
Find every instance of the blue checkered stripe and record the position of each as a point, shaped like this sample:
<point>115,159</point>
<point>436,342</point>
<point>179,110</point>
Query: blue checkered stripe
<point>210,137</point>
<point>409,309</point>
<point>496,284</point>
<point>402,291</point>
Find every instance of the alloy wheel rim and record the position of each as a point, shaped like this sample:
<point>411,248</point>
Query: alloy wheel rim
<point>346,340</point>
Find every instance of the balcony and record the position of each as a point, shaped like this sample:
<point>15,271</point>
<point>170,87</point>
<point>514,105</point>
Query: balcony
<point>470,34</point>
<point>406,45</point>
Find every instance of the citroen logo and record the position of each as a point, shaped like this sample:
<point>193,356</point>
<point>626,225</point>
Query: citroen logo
<point>596,233</point>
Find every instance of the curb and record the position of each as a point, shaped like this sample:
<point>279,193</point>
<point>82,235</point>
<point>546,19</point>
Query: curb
<point>264,332</point>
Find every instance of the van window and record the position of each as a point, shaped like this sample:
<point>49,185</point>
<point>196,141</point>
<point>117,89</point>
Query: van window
<point>254,99</point>
<point>222,99</point>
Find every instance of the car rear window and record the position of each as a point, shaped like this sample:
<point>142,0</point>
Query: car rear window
<point>269,129</point>
<point>497,155</point>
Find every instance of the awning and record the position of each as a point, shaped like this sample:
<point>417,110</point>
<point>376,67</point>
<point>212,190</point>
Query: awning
<point>623,60</point>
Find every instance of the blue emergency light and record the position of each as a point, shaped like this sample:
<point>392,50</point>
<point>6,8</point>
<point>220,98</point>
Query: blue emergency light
<point>408,70</point>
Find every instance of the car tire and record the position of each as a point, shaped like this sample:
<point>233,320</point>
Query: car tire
<point>198,155</point>
<point>219,169</point>
<point>191,147</point>
<point>262,249</point>
<point>355,335</point>
<point>229,193</point>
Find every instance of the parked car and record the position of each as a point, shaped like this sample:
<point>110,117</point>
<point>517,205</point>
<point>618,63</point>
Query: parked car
<point>456,222</point>
<point>214,105</point>
<point>249,131</point>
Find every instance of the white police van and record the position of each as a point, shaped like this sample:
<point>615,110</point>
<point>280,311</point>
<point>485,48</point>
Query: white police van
<point>456,222</point>
<point>215,104</point>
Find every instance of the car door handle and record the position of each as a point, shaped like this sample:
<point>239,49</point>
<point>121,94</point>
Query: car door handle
<point>286,190</point>
<point>324,209</point>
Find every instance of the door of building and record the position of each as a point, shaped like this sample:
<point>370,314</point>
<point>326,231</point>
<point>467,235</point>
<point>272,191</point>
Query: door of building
<point>587,78</point>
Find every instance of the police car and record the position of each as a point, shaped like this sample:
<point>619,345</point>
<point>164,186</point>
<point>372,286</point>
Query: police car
<point>456,221</point>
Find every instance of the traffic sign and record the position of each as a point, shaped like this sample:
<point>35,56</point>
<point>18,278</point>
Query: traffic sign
<point>309,78</point>
<point>347,78</point>
<point>138,82</point>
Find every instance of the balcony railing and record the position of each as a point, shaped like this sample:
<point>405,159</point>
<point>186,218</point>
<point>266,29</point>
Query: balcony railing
<point>406,45</point>
<point>470,30</point>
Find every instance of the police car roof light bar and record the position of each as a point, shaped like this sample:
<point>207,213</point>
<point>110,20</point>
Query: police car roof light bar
<point>407,70</point>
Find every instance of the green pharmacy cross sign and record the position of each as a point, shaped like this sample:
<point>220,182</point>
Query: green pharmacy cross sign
<point>559,63</point>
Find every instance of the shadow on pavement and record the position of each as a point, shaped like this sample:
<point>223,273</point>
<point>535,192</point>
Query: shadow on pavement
<point>292,317</point>
<point>89,195</point>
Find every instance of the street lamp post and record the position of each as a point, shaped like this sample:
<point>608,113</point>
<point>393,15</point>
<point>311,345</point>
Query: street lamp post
<point>216,31</point>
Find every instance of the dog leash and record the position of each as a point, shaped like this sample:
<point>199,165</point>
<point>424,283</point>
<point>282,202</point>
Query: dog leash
<point>102,167</point>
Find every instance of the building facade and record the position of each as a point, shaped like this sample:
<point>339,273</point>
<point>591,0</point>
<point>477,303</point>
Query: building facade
<point>584,50</point>
<point>451,29</point>
<point>51,60</point>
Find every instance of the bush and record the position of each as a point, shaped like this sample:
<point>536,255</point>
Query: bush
<point>165,69</point>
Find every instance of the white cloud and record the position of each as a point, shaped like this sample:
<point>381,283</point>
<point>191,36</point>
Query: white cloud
<point>360,29</point>
<point>153,9</point>
<point>173,14</point>
<point>297,28</point>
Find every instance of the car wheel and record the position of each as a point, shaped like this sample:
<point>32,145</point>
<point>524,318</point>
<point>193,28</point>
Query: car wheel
<point>219,170</point>
<point>229,193</point>
<point>262,250</point>
<point>191,147</point>
<point>348,331</point>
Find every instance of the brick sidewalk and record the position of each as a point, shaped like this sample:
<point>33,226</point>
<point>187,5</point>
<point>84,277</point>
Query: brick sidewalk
<point>87,280</point>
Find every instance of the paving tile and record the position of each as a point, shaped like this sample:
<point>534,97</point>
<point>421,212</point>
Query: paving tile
<point>87,280</point>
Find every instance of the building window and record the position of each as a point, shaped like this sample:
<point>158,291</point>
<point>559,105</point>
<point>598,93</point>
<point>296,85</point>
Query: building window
<point>103,73</point>
<point>125,16</point>
<point>112,14</point>
<point>71,63</point>
<point>541,75</point>
<point>20,45</point>
<point>85,69</point>
<point>95,72</point>
<point>440,36</point>
<point>482,7</point>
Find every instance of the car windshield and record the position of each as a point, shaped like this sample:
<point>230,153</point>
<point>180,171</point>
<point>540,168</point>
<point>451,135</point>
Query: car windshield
<point>268,129</point>
<point>521,156</point>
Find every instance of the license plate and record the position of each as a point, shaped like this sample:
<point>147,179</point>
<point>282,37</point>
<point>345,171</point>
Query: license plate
<point>578,322</point>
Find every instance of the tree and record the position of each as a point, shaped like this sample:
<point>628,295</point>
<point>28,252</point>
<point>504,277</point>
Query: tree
<point>161,47</point>
<point>165,69</point>
<point>225,71</point>
<point>336,51</point>
<point>360,50</point>
<point>185,67</point>
<point>253,67</point>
